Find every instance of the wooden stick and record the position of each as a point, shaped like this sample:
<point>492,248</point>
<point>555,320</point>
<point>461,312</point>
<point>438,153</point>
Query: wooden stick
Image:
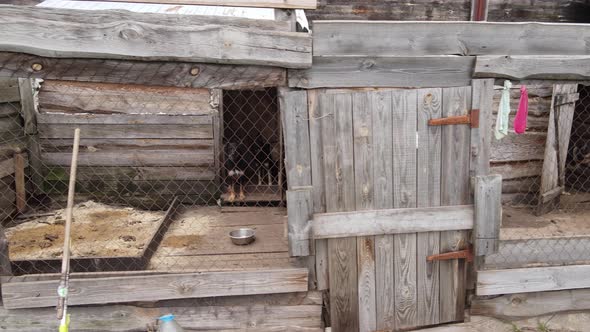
<point>19,182</point>
<point>65,265</point>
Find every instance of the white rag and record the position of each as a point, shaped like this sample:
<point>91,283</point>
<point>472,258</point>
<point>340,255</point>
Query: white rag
<point>503,112</point>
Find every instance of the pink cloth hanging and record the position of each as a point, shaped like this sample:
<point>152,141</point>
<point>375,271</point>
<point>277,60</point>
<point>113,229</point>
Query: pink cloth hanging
<point>523,111</point>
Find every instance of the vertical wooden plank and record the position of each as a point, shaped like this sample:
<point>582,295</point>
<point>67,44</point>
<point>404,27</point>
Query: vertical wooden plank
<point>566,117</point>
<point>488,214</point>
<point>293,106</point>
<point>317,179</point>
<point>366,283</point>
<point>363,142</point>
<point>455,190</point>
<point>344,306</point>
<point>481,137</point>
<point>5,267</point>
<point>482,92</point>
<point>29,113</point>
<point>428,195</point>
<point>344,152</point>
<point>294,115</point>
<point>556,147</point>
<point>383,199</point>
<point>27,102</point>
<point>339,176</point>
<point>19,182</point>
<point>404,178</point>
<point>363,179</point>
<point>299,212</point>
<point>36,167</point>
<point>217,103</point>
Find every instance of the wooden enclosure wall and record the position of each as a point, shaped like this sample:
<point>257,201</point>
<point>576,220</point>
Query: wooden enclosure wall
<point>451,10</point>
<point>374,150</point>
<point>136,140</point>
<point>11,139</point>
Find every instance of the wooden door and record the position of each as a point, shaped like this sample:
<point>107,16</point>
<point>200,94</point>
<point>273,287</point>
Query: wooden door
<point>556,147</point>
<point>375,150</point>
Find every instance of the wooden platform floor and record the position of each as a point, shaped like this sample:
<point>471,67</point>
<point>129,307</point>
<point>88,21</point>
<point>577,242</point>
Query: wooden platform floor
<point>198,240</point>
<point>519,223</point>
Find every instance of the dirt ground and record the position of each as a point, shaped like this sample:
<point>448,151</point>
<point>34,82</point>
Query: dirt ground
<point>521,223</point>
<point>98,230</point>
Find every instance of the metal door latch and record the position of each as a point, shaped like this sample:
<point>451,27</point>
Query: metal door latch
<point>466,254</point>
<point>472,118</point>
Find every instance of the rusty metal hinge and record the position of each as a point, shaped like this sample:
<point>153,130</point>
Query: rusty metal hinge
<point>472,118</point>
<point>466,254</point>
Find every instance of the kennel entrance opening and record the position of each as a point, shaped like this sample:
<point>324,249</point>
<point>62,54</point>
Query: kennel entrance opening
<point>252,149</point>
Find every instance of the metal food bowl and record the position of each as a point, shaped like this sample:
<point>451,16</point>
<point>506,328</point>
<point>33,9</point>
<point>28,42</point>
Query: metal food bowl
<point>242,236</point>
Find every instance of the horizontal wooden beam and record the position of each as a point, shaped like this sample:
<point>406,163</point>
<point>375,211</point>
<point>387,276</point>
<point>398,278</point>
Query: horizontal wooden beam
<point>126,318</point>
<point>386,71</point>
<point>521,67</point>
<point>538,279</point>
<point>301,4</point>
<point>126,131</point>
<point>143,36</point>
<point>392,221</point>
<point>524,305</point>
<point>159,73</point>
<point>118,119</point>
<point>389,38</point>
<point>38,294</point>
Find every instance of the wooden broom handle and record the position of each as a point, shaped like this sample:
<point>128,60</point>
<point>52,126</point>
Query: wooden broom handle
<point>65,263</point>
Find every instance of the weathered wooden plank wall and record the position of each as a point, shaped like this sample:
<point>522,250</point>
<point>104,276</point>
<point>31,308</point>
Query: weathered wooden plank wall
<point>382,280</point>
<point>453,10</point>
<point>135,139</point>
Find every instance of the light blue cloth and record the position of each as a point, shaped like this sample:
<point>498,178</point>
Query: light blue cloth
<point>503,112</point>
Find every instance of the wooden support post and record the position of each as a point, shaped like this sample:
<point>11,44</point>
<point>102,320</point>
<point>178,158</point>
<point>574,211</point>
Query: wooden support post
<point>479,10</point>
<point>29,114</point>
<point>488,214</point>
<point>300,209</point>
<point>27,102</point>
<point>19,182</point>
<point>5,267</point>
<point>294,123</point>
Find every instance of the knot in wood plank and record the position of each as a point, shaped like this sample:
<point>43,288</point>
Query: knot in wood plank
<point>131,32</point>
